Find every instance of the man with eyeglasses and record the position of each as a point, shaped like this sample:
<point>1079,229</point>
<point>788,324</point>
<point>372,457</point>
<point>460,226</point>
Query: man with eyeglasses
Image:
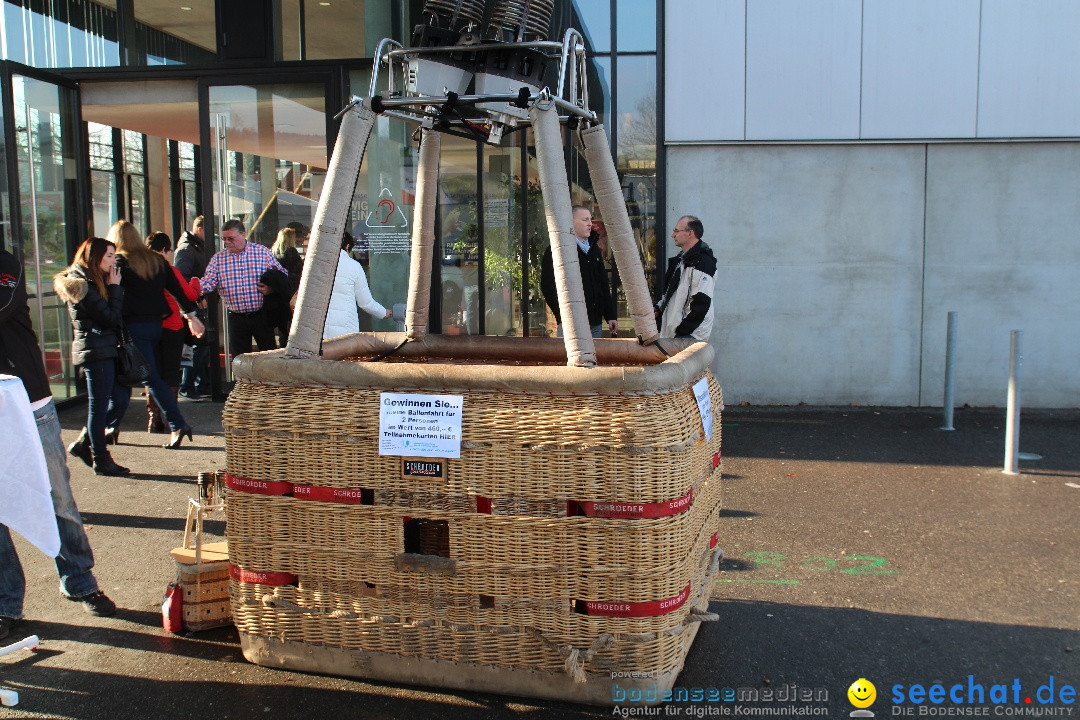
<point>234,272</point>
<point>686,310</point>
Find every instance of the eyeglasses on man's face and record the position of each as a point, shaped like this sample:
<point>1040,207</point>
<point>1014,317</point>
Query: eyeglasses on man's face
<point>679,230</point>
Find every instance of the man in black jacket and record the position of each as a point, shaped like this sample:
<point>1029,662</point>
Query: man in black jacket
<point>21,357</point>
<point>594,279</point>
<point>190,259</point>
<point>191,255</point>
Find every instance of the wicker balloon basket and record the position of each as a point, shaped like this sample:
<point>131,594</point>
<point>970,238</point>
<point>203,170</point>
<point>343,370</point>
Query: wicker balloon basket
<point>568,550</point>
<point>551,528</point>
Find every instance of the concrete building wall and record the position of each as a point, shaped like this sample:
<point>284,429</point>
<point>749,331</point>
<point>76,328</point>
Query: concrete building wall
<point>1003,250</point>
<point>853,70</point>
<point>858,172</point>
<point>839,263</point>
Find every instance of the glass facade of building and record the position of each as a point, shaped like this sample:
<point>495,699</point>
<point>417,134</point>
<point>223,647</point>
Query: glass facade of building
<point>43,208</point>
<point>260,148</point>
<point>80,33</point>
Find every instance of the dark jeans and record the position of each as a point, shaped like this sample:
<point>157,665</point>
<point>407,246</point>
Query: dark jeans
<point>245,326</point>
<point>106,399</point>
<point>169,350</point>
<point>195,380</point>
<point>146,337</point>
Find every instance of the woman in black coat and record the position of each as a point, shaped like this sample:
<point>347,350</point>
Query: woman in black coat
<point>277,293</point>
<point>95,300</point>
<point>146,277</point>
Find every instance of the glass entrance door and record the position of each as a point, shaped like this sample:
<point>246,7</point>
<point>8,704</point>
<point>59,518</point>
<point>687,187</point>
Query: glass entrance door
<point>42,220</point>
<point>265,159</point>
<point>492,231</point>
<point>268,154</point>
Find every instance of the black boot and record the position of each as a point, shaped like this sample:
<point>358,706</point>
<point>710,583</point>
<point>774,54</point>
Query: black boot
<point>112,436</point>
<point>104,465</point>
<point>81,448</point>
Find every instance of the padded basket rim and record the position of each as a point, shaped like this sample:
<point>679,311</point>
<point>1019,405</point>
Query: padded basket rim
<point>676,373</point>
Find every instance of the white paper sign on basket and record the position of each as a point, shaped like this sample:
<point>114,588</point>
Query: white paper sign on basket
<point>704,405</point>
<point>418,425</point>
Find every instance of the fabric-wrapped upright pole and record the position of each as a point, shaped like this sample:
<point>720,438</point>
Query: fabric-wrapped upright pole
<point>620,235</point>
<point>423,236</point>
<point>320,266</point>
<point>577,335</point>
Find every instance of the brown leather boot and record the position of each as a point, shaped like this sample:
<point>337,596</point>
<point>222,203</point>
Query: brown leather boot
<point>156,422</point>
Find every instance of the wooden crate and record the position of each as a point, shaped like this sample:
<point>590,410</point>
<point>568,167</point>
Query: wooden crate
<point>207,615</point>
<point>205,585</point>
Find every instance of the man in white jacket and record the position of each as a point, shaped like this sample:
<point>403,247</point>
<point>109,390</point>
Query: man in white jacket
<point>350,292</point>
<point>686,310</point>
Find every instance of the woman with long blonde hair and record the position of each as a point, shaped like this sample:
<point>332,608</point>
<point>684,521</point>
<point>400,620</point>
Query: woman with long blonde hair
<point>284,249</point>
<point>171,346</point>
<point>145,277</point>
<point>95,300</point>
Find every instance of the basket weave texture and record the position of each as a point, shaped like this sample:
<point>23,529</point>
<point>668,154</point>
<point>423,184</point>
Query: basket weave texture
<point>504,588</point>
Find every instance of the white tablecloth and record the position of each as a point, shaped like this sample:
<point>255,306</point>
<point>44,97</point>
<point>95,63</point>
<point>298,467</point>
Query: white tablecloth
<point>25,504</point>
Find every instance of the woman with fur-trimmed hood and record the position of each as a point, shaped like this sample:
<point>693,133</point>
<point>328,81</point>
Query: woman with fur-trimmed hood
<point>91,288</point>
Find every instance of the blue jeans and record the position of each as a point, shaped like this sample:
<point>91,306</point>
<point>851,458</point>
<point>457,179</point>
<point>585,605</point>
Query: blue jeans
<point>146,337</point>
<point>106,397</point>
<point>196,379</point>
<point>75,560</point>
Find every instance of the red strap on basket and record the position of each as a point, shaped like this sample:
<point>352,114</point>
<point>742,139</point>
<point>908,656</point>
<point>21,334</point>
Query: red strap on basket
<point>328,494</point>
<point>261,487</point>
<point>716,458</point>
<point>637,609</point>
<point>262,578</point>
<point>712,541</point>
<point>638,510</point>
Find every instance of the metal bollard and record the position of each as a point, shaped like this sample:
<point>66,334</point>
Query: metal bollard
<point>950,372</point>
<point>1012,412</point>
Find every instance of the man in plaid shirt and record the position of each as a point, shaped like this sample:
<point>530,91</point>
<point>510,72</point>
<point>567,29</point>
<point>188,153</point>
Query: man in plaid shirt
<point>234,272</point>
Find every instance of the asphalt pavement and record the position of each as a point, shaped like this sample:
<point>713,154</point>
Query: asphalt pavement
<point>859,543</point>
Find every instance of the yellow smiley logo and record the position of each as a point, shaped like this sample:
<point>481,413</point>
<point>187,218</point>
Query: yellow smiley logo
<point>862,693</point>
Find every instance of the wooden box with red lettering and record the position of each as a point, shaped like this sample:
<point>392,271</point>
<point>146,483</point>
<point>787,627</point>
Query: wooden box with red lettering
<point>205,585</point>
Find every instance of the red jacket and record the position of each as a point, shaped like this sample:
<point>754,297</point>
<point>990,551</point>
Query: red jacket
<point>191,290</point>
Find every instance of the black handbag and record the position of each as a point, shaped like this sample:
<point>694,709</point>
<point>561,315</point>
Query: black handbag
<point>209,336</point>
<point>131,366</point>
